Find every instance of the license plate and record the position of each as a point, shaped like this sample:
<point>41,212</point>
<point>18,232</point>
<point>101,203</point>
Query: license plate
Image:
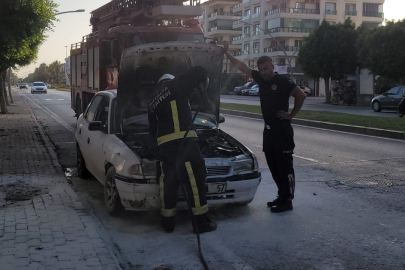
<point>216,188</point>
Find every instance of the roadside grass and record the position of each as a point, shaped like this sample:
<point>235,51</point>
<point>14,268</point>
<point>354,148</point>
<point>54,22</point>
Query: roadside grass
<point>396,123</point>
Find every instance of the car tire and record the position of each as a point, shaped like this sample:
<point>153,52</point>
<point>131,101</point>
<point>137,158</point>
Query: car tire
<point>400,114</point>
<point>376,106</point>
<point>82,171</point>
<point>243,203</point>
<point>112,199</point>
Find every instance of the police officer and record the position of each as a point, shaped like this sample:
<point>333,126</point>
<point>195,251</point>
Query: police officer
<point>169,118</point>
<point>278,136</point>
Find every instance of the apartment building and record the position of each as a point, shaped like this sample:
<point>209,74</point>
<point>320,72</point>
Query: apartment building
<point>217,22</point>
<point>289,21</point>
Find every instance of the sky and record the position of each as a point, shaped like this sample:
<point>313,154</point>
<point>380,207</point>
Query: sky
<point>71,27</point>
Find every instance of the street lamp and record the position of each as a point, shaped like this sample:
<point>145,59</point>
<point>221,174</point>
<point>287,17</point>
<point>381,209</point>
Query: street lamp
<point>279,44</point>
<point>72,11</point>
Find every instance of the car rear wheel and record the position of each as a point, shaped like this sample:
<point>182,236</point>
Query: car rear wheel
<point>400,113</point>
<point>82,171</point>
<point>376,106</point>
<point>112,199</point>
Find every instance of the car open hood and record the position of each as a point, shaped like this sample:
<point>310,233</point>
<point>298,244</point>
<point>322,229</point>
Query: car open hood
<point>142,66</point>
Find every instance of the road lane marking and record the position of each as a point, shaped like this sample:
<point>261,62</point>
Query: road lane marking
<point>60,99</point>
<point>48,99</point>
<point>308,159</point>
<point>324,129</point>
<point>53,115</point>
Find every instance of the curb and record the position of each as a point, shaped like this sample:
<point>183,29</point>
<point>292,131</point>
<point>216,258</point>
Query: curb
<point>332,126</point>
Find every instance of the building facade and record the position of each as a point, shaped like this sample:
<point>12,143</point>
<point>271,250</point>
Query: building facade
<point>289,21</point>
<point>217,22</point>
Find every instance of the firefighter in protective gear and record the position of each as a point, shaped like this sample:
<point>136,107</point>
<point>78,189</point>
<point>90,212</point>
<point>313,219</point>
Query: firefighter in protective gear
<point>169,118</point>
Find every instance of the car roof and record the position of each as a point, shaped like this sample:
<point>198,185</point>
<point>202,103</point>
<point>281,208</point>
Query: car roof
<point>38,82</point>
<point>111,93</point>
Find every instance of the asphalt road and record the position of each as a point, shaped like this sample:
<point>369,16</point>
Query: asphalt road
<point>312,104</point>
<point>348,211</point>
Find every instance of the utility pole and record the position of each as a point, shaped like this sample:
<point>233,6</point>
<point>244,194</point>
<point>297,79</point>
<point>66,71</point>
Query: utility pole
<point>66,51</point>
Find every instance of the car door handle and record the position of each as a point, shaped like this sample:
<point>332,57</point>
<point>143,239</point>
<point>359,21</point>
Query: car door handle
<point>88,140</point>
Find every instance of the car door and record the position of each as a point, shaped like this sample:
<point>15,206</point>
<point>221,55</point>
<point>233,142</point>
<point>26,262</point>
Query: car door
<point>96,139</point>
<point>84,133</point>
<point>399,96</point>
<point>389,98</point>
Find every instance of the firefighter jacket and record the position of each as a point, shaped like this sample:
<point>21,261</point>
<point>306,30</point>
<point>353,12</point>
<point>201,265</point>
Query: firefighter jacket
<point>169,112</point>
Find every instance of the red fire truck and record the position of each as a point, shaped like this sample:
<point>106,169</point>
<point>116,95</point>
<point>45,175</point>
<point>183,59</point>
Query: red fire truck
<point>121,24</point>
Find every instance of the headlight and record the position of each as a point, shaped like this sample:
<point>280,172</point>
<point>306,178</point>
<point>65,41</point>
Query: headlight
<point>135,169</point>
<point>243,165</point>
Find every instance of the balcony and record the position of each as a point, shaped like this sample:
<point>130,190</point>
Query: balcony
<point>291,30</point>
<point>246,35</point>
<point>245,52</point>
<point>236,40</point>
<point>255,16</point>
<point>331,12</point>
<point>237,53</point>
<point>245,18</point>
<point>200,17</point>
<point>221,14</point>
<point>350,12</point>
<point>292,10</point>
<point>245,1</point>
<point>237,22</point>
<point>256,50</point>
<point>280,49</point>
<point>373,14</point>
<point>221,30</point>
<point>255,35</point>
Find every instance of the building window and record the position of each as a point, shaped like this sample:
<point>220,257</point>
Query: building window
<point>283,5</point>
<point>256,47</point>
<point>256,29</point>
<point>372,10</point>
<point>273,7</point>
<point>246,48</point>
<point>298,43</point>
<point>281,61</point>
<point>247,12</point>
<point>300,5</point>
<point>330,8</point>
<point>351,10</point>
<point>256,10</point>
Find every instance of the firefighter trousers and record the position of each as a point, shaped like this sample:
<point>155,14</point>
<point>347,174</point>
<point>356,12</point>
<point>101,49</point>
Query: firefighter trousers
<point>191,167</point>
<point>278,147</point>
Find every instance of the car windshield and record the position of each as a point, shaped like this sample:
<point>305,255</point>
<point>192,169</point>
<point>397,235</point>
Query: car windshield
<point>39,84</point>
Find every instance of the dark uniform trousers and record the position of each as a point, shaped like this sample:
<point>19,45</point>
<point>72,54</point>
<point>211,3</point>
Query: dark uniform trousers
<point>192,171</point>
<point>278,147</point>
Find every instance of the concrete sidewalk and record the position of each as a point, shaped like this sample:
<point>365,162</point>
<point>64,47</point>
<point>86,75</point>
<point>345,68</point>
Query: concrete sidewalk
<point>43,225</point>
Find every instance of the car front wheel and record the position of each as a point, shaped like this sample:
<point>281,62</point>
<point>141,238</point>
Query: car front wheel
<point>82,171</point>
<point>400,113</point>
<point>376,106</point>
<point>112,199</point>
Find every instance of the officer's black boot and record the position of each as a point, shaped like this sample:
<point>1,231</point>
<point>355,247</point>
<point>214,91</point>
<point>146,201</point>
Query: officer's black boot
<point>273,203</point>
<point>168,223</point>
<point>204,224</point>
<point>282,207</point>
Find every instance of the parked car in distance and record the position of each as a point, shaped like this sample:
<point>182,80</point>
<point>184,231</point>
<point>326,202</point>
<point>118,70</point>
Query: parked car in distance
<point>254,91</point>
<point>389,100</point>
<point>23,85</point>
<point>248,85</point>
<point>39,87</point>
<point>245,92</point>
<point>306,89</point>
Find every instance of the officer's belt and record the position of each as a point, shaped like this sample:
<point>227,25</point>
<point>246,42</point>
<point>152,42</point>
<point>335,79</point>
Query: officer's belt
<point>176,136</point>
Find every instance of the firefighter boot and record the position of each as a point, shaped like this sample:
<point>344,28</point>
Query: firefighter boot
<point>282,207</point>
<point>204,224</point>
<point>168,223</point>
<point>273,203</point>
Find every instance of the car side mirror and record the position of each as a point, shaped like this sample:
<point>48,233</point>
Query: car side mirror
<point>95,125</point>
<point>221,118</point>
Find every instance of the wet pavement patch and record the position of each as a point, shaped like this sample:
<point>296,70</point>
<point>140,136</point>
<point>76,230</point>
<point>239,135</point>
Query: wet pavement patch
<point>20,191</point>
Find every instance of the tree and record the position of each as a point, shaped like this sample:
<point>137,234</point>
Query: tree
<point>382,51</point>
<point>329,52</point>
<point>23,24</point>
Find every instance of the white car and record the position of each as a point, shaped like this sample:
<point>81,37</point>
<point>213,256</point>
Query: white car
<point>114,144</point>
<point>254,91</point>
<point>39,87</point>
